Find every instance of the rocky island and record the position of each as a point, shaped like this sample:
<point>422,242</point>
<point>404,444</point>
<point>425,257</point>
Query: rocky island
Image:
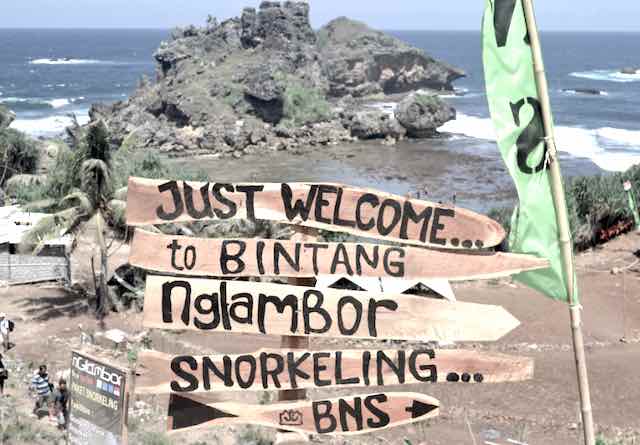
<point>268,81</point>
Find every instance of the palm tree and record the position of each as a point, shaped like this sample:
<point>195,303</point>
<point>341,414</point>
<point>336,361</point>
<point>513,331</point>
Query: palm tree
<point>92,201</point>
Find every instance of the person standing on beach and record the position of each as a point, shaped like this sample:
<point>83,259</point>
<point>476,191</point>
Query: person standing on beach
<point>5,329</point>
<point>4,375</point>
<point>42,388</point>
<point>61,404</point>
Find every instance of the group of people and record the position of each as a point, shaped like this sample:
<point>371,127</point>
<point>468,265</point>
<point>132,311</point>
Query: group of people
<point>54,400</point>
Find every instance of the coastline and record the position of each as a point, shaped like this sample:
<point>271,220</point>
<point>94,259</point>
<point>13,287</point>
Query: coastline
<point>468,170</point>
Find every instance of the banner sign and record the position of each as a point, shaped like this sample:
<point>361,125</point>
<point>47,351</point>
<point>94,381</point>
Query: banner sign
<point>334,207</point>
<point>346,415</point>
<point>97,406</point>
<point>279,369</point>
<point>244,307</point>
<point>272,258</point>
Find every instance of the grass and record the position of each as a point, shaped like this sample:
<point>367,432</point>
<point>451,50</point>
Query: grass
<point>18,154</point>
<point>304,105</point>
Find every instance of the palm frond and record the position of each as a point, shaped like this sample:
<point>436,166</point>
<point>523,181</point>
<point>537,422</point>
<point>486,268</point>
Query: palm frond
<point>50,227</point>
<point>95,180</point>
<point>17,182</point>
<point>79,200</point>
<point>116,210</point>
<point>42,205</point>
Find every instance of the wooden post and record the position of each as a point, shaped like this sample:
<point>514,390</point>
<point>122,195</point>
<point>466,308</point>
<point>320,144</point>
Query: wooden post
<point>301,234</point>
<point>562,218</point>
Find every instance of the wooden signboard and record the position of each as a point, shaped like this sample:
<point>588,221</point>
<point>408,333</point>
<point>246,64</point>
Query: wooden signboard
<point>98,405</point>
<point>257,257</point>
<point>275,309</point>
<point>335,207</point>
<point>345,416</point>
<point>268,370</point>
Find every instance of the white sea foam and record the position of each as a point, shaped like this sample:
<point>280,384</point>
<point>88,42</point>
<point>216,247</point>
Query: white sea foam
<point>66,62</point>
<point>583,93</point>
<point>607,75</point>
<point>595,144</point>
<point>59,103</point>
<point>48,126</point>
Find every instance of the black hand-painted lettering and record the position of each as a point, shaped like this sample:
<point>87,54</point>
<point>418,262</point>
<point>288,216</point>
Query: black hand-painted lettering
<point>372,314</point>
<point>438,226</point>
<point>293,366</point>
<point>374,202</point>
<point>308,310</point>
<point>357,308</point>
<point>336,212</point>
<point>340,380</point>
<point>321,202</point>
<point>232,208</point>
<point>250,192</point>
<point>398,369</point>
<point>176,367</point>
<point>382,417</point>
<point>275,372</point>
<point>206,211</point>
<point>322,412</point>
<point>383,229</point>
<point>245,381</point>
<point>176,197</point>
<point>190,257</point>
<point>318,368</point>
<point>297,209</point>
<point>409,214</point>
<point>175,247</point>
<point>280,251</point>
<point>226,257</point>
<point>415,370</point>
<point>209,367</point>
<point>242,301</point>
<point>200,304</point>
<point>355,412</point>
<point>341,257</point>
<point>362,255</point>
<point>394,268</point>
<point>280,306</point>
<point>167,306</point>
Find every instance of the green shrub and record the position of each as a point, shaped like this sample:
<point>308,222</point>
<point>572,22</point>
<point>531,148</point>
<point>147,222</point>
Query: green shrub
<point>18,154</point>
<point>304,105</point>
<point>594,203</point>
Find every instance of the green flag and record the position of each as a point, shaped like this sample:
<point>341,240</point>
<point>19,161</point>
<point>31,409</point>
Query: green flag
<point>633,205</point>
<point>517,116</point>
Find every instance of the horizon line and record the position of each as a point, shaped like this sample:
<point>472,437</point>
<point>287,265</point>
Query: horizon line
<point>151,28</point>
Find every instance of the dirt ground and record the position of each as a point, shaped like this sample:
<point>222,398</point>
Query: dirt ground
<point>51,321</point>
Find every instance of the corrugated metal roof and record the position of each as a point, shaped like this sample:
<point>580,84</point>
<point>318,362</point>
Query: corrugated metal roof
<point>14,223</point>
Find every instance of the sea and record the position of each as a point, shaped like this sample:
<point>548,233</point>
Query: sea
<point>48,76</point>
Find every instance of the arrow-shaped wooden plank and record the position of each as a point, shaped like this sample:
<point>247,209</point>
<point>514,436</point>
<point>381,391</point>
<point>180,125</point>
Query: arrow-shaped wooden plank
<point>335,207</point>
<point>273,369</point>
<point>257,257</point>
<point>274,309</point>
<point>340,416</point>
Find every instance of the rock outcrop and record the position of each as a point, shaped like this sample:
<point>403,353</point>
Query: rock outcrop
<point>630,70</point>
<point>359,61</point>
<point>266,80</point>
<point>422,115</point>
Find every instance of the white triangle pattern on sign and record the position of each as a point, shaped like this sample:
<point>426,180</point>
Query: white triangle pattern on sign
<point>390,285</point>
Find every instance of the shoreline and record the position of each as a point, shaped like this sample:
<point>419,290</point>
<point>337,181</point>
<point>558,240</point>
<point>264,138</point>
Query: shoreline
<point>467,171</point>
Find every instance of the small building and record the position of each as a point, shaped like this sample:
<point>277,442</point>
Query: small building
<point>50,264</point>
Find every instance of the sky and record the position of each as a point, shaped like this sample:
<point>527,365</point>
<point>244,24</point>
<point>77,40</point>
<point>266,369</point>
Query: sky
<point>560,15</point>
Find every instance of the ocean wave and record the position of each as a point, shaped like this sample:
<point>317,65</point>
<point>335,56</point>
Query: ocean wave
<point>607,75</point>
<point>29,103</point>
<point>612,149</point>
<point>66,61</point>
<point>584,92</point>
<point>48,126</point>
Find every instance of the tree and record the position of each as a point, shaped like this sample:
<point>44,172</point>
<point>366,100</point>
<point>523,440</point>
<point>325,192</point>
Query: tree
<point>91,200</point>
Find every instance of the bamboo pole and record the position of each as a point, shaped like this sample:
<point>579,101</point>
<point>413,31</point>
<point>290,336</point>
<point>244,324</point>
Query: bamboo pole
<point>562,219</point>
